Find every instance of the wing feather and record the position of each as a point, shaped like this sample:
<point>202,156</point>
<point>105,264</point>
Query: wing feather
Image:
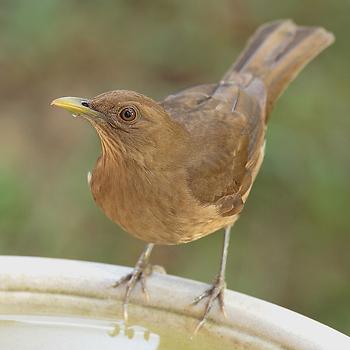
<point>228,129</point>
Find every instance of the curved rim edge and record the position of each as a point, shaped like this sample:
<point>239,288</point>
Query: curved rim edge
<point>173,294</point>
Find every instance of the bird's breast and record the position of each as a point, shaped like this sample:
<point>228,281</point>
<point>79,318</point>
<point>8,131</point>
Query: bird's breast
<point>155,208</point>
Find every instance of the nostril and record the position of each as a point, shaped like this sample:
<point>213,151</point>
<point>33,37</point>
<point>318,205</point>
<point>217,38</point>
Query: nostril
<point>85,104</point>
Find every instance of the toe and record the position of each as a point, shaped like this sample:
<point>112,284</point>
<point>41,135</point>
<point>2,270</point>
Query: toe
<point>201,297</point>
<point>144,288</point>
<point>122,280</point>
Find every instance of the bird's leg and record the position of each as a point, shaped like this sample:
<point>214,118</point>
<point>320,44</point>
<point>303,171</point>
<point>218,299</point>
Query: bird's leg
<point>216,291</point>
<point>141,270</point>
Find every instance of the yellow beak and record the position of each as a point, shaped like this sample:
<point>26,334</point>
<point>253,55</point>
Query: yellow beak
<point>75,105</point>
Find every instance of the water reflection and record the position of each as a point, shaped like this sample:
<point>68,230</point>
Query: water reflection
<point>145,339</point>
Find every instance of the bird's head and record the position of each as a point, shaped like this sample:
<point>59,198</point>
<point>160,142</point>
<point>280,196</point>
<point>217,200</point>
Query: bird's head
<point>127,122</point>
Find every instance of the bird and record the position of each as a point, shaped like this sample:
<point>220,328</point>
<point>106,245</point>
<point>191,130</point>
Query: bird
<point>177,170</point>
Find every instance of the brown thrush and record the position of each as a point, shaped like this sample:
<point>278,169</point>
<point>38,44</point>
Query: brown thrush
<point>175,171</point>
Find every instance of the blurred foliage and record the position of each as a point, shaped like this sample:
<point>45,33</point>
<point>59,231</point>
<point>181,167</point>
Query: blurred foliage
<point>291,245</point>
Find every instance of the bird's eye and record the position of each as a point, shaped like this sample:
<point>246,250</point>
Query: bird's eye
<point>128,114</point>
<point>85,104</point>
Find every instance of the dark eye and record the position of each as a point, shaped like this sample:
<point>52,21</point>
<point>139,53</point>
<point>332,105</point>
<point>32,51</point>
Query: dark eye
<point>128,114</point>
<point>85,104</point>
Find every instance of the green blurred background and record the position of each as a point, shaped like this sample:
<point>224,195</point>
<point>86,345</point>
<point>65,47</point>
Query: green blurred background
<point>291,245</point>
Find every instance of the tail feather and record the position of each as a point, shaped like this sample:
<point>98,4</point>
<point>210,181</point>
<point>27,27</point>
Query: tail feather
<point>277,52</point>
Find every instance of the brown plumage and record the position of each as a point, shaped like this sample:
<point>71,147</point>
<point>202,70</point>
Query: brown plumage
<point>178,170</point>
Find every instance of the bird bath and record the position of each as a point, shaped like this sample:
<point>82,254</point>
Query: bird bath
<point>63,304</point>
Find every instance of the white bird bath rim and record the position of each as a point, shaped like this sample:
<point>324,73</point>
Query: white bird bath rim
<point>69,288</point>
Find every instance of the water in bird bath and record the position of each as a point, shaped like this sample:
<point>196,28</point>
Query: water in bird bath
<point>19,332</point>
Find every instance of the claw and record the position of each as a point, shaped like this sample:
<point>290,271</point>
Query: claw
<point>131,280</point>
<point>216,291</point>
<point>141,271</point>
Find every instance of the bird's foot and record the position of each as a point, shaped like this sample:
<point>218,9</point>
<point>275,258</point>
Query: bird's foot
<point>141,271</point>
<point>215,292</point>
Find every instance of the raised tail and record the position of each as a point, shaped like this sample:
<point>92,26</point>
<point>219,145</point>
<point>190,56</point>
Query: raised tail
<point>277,52</point>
